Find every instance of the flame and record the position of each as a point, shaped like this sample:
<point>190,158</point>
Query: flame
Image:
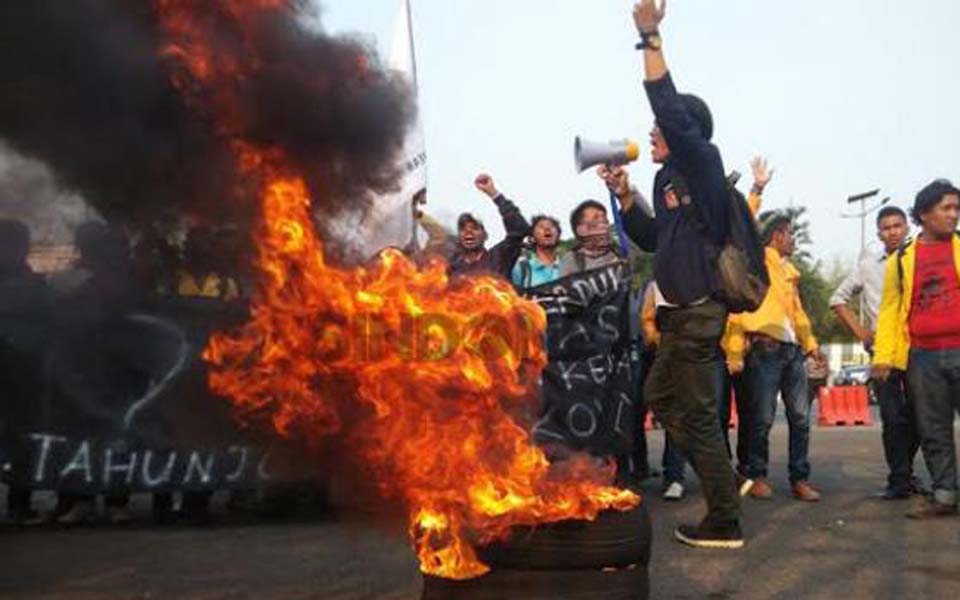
<point>441,371</point>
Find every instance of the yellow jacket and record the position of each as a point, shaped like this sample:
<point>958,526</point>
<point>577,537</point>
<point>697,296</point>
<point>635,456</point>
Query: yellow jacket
<point>892,343</point>
<point>780,312</point>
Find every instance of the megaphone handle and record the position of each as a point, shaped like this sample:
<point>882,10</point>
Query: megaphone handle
<point>618,223</point>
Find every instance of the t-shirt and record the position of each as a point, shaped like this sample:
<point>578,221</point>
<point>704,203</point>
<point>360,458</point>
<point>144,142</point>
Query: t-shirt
<point>531,272</point>
<point>934,318</point>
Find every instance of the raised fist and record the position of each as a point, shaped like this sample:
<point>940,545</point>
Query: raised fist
<point>485,184</point>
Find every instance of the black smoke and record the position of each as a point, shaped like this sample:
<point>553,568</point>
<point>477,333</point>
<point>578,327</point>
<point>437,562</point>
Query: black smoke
<point>88,92</point>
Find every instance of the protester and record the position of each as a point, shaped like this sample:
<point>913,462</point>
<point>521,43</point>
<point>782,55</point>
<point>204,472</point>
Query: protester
<point>919,332</point>
<point>777,339</point>
<point>539,264</point>
<point>900,438</point>
<point>690,194</point>
<point>733,383</point>
<point>203,265</point>
<point>156,261</point>
<point>204,275</point>
<point>594,246</point>
<point>472,256</point>
<point>89,360</point>
<point>23,304</point>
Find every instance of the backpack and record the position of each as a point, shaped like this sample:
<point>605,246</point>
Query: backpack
<point>741,279</point>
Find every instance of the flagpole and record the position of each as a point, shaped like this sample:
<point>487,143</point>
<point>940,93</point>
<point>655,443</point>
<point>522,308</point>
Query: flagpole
<point>413,48</point>
<point>421,196</point>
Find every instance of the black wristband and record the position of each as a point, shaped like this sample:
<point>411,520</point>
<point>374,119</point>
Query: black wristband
<point>649,40</point>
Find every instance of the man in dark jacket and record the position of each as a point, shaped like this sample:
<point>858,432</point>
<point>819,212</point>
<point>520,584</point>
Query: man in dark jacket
<point>472,256</point>
<point>691,203</point>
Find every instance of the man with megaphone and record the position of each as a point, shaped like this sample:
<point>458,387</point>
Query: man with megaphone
<point>691,220</point>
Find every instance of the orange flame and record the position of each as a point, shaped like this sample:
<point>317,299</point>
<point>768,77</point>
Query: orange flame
<point>442,369</point>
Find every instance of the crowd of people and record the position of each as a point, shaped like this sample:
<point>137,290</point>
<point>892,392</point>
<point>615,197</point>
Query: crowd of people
<point>691,353</point>
<point>59,349</point>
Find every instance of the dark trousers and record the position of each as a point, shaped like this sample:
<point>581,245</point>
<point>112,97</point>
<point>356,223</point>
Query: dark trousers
<point>933,380</point>
<point>675,462</point>
<point>774,368</point>
<point>900,438</point>
<point>682,391</point>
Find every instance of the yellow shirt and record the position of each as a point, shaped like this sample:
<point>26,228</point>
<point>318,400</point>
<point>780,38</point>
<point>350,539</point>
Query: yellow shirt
<point>210,286</point>
<point>781,316</point>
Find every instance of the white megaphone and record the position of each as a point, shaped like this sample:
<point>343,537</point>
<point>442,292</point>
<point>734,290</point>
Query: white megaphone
<point>588,154</point>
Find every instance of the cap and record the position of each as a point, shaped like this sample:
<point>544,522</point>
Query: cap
<point>469,218</point>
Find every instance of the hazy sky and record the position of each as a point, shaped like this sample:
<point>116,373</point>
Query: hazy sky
<point>842,96</point>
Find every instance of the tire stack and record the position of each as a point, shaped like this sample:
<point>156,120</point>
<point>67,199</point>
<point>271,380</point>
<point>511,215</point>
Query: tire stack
<point>605,559</point>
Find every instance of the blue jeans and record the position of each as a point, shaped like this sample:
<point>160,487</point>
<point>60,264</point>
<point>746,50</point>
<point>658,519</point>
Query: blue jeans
<point>734,384</point>
<point>933,379</point>
<point>772,368</point>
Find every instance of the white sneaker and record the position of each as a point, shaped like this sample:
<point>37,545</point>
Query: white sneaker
<point>673,492</point>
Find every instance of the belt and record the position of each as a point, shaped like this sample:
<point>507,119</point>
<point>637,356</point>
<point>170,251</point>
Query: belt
<point>694,304</point>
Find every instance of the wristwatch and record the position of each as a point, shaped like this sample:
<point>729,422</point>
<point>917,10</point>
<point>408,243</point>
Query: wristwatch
<point>651,41</point>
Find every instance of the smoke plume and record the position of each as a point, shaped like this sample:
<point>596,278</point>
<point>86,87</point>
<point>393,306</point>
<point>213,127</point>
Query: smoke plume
<point>88,92</point>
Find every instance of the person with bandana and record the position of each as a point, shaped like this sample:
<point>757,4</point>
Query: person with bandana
<point>594,246</point>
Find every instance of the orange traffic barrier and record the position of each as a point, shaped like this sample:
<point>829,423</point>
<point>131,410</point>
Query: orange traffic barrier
<point>825,414</point>
<point>734,420</point>
<point>861,406</point>
<point>844,406</point>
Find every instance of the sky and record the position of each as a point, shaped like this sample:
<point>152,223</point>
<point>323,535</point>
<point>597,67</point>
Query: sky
<point>842,97</point>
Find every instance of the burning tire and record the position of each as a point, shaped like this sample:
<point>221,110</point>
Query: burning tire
<point>614,540</point>
<point>604,559</point>
<point>500,584</point>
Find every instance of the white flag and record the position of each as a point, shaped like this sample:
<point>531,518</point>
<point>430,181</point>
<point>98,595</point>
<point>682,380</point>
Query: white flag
<point>390,222</point>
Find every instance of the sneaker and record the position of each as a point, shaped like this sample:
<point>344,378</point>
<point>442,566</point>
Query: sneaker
<point>761,489</point>
<point>81,512</point>
<point>674,492</point>
<point>727,536</point>
<point>931,509</point>
<point>805,492</point>
<point>744,485</point>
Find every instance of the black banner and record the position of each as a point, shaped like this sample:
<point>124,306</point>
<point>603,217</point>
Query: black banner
<point>120,403</point>
<point>587,400</point>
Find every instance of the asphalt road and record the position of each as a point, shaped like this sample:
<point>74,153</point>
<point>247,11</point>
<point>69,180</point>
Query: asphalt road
<point>848,546</point>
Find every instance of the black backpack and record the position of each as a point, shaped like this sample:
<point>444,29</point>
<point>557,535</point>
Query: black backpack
<point>741,280</point>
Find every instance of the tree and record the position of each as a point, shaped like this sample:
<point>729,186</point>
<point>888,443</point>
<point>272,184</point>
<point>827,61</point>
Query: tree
<point>816,287</point>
